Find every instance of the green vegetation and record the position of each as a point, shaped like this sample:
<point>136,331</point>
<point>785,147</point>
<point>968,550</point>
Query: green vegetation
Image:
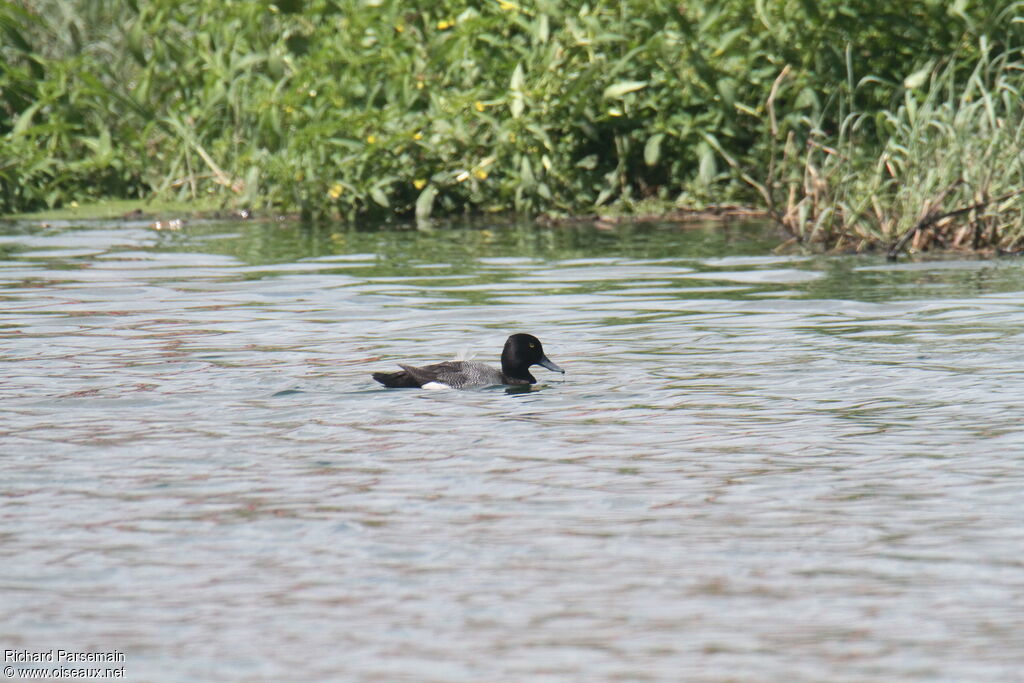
<point>110,209</point>
<point>852,122</point>
<point>945,168</point>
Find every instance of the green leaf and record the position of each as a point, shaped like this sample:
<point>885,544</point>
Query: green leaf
<point>725,42</point>
<point>252,184</point>
<point>517,78</point>
<point>727,90</point>
<point>708,165</point>
<point>618,90</point>
<point>104,148</point>
<point>763,14</point>
<point>15,37</point>
<point>515,86</point>
<point>25,119</point>
<point>911,108</point>
<point>135,37</point>
<point>10,14</point>
<point>425,202</point>
<point>526,176</point>
<point>378,196</point>
<point>543,31</point>
<point>652,150</point>
<point>918,78</point>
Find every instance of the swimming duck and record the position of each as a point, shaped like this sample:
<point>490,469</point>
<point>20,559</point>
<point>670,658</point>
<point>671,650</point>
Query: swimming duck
<point>520,352</point>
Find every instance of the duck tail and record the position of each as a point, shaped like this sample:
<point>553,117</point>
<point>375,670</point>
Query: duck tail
<point>396,380</point>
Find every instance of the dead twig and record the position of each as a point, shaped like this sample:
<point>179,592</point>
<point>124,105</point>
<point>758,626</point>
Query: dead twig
<point>931,217</point>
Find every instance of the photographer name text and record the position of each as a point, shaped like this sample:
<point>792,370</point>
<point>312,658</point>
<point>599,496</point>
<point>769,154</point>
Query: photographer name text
<point>55,655</point>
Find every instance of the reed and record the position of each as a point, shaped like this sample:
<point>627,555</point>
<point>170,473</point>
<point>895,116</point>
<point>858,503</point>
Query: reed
<point>944,169</point>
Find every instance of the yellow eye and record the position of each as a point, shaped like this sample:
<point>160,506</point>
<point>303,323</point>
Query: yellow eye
<point>533,346</point>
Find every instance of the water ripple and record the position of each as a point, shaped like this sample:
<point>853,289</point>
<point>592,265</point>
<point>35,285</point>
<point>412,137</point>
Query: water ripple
<point>757,467</point>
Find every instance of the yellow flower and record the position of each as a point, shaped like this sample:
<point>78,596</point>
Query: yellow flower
<point>478,105</point>
<point>312,93</point>
<point>417,136</point>
<point>371,139</point>
<point>507,6</point>
<point>335,191</point>
<point>480,174</point>
<point>399,28</point>
<point>444,25</point>
<point>419,183</point>
<point>419,85</point>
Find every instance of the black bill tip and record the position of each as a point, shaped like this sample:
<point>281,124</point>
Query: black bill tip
<point>546,363</point>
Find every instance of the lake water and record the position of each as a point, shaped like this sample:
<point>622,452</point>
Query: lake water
<point>756,467</point>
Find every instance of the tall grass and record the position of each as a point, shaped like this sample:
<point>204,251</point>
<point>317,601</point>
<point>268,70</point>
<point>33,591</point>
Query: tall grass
<point>944,168</point>
<point>378,108</point>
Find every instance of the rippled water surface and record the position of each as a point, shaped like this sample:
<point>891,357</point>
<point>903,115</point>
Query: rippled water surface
<point>756,467</point>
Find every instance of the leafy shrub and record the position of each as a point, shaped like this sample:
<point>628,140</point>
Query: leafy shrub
<point>374,108</point>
